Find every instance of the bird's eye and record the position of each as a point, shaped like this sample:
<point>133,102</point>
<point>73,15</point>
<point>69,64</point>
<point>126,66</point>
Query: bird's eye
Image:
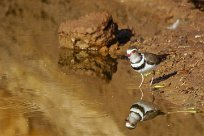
<point>133,51</point>
<point>132,124</point>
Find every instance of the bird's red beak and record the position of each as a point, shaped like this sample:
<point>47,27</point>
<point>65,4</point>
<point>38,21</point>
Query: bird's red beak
<point>128,55</point>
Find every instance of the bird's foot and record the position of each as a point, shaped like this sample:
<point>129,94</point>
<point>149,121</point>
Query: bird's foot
<point>158,86</point>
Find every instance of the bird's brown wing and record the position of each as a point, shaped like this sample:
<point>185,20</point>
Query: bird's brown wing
<point>152,114</point>
<point>152,58</point>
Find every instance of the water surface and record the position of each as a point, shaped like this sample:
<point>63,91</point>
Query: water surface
<point>39,97</point>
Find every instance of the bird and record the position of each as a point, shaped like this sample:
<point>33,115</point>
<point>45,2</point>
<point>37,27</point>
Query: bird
<point>141,111</point>
<point>144,63</point>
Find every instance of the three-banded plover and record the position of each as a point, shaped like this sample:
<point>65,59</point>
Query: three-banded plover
<point>143,62</point>
<point>141,111</point>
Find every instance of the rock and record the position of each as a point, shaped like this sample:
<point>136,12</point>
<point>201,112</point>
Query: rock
<point>104,51</point>
<point>114,50</point>
<point>91,32</point>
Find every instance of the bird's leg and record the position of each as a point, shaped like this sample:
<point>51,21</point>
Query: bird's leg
<point>142,80</point>
<point>153,73</point>
<point>142,94</point>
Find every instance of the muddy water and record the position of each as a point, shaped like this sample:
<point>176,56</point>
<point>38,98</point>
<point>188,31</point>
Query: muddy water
<point>39,99</point>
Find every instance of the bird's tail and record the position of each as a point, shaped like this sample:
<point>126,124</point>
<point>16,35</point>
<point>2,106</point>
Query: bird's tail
<point>161,112</point>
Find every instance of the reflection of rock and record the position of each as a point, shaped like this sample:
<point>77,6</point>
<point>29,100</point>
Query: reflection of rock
<point>88,63</point>
<point>141,111</point>
<point>90,32</point>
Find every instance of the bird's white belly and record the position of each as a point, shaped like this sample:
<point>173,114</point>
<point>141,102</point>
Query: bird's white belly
<point>147,68</point>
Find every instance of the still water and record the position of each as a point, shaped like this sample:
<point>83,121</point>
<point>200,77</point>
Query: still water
<point>78,93</point>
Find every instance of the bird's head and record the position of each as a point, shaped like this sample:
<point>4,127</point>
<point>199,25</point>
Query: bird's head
<point>131,120</point>
<point>133,54</point>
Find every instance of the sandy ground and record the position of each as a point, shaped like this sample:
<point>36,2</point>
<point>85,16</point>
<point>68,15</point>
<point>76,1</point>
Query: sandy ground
<point>48,98</point>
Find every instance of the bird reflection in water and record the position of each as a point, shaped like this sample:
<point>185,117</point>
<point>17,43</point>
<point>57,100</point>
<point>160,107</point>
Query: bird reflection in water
<point>89,63</point>
<point>141,111</point>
